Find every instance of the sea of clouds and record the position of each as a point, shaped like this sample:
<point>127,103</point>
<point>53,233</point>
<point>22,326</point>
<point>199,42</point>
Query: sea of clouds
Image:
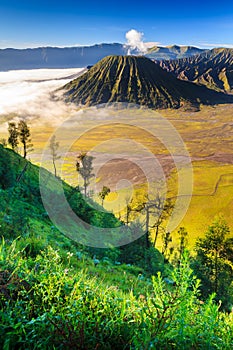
<point>28,94</point>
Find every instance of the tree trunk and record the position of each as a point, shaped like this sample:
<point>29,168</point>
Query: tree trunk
<point>216,272</point>
<point>147,228</point>
<point>156,235</point>
<point>55,170</point>
<point>24,149</point>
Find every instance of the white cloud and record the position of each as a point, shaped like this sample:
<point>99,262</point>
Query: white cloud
<point>27,93</point>
<point>151,44</point>
<point>214,45</point>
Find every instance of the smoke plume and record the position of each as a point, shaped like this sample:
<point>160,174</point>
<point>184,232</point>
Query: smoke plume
<point>135,42</point>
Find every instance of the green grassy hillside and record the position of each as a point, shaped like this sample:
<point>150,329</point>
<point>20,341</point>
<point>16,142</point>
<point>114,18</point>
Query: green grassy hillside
<point>21,204</point>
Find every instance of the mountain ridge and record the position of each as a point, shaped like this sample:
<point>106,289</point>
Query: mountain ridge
<point>213,68</point>
<point>172,52</point>
<point>74,56</point>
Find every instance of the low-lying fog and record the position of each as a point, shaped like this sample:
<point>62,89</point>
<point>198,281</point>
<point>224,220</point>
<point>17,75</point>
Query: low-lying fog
<point>26,93</point>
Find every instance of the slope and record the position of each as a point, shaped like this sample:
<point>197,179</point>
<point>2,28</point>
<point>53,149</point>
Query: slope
<point>21,206</point>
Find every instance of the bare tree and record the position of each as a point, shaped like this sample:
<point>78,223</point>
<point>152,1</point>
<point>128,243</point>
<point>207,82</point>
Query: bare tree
<point>54,145</point>
<point>156,211</point>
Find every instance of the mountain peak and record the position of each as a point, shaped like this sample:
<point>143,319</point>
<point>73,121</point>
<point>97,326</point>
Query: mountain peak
<point>136,79</point>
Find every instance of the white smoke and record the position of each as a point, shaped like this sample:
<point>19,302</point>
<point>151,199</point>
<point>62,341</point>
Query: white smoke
<point>135,42</point>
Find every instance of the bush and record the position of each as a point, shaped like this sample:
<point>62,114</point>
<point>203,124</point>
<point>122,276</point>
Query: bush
<point>50,304</point>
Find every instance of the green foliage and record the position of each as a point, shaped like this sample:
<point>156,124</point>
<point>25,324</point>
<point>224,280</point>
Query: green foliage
<point>47,303</point>
<point>213,263</point>
<point>24,136</point>
<point>6,173</point>
<point>84,167</point>
<point>13,135</point>
<point>137,252</point>
<point>21,202</point>
<point>103,193</point>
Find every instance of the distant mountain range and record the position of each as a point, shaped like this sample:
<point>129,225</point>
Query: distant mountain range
<point>137,79</point>
<point>80,56</point>
<point>213,68</point>
<point>54,57</point>
<point>172,52</point>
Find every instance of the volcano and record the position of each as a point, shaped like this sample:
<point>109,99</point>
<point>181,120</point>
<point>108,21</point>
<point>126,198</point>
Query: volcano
<point>137,79</point>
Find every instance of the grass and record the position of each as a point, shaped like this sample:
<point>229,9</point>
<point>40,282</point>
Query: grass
<point>212,196</point>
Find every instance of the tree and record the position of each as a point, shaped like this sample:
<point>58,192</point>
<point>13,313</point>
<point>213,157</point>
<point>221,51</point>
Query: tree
<point>182,241</point>
<point>84,167</point>
<point>213,262</point>
<point>129,208</point>
<point>167,239</point>
<point>103,193</point>
<point>24,136</point>
<point>13,135</point>
<point>157,210</point>
<point>54,145</point>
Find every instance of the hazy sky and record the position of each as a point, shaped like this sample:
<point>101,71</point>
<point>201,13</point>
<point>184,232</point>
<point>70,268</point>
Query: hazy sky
<point>32,23</point>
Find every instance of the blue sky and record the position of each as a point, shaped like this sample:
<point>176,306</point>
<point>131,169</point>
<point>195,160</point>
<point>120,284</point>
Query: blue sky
<point>203,23</point>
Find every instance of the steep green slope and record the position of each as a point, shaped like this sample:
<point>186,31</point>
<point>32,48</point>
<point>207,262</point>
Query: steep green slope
<point>137,80</point>
<point>21,206</point>
<point>22,214</point>
<point>213,69</point>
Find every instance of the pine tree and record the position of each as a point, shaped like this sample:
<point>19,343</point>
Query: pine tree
<point>213,262</point>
